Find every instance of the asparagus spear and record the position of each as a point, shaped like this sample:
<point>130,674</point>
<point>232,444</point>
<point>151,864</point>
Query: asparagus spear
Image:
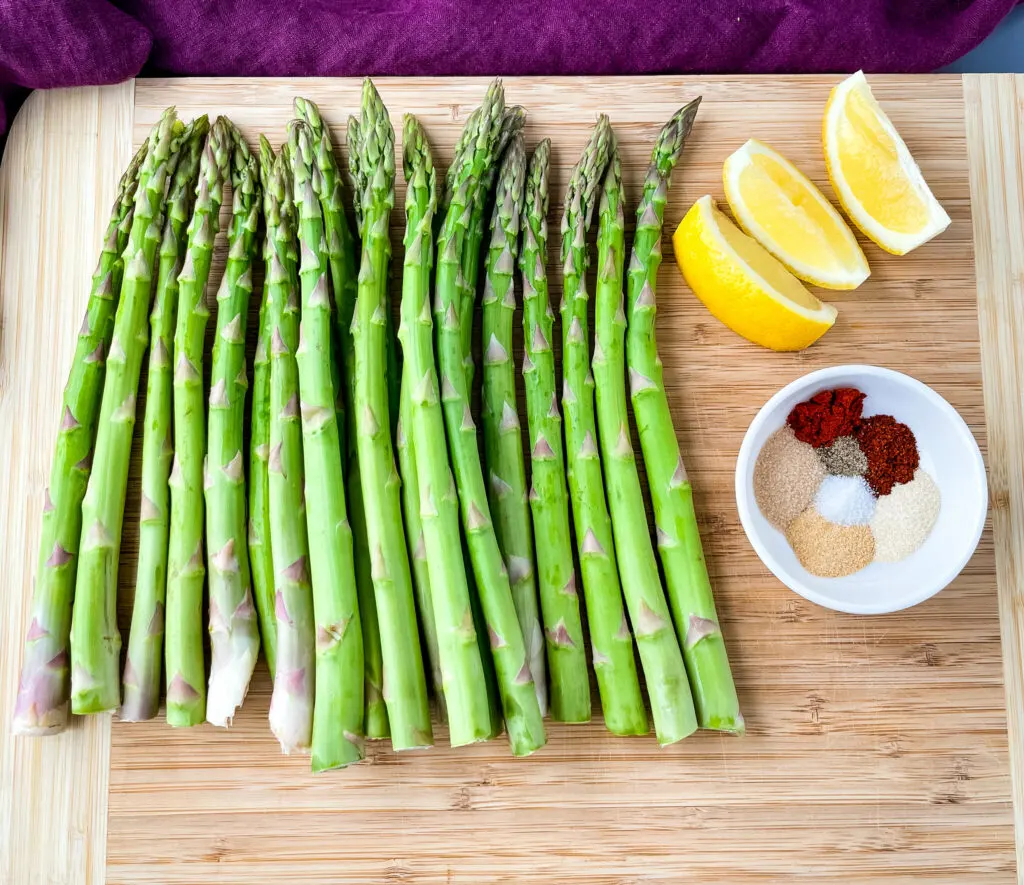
<point>512,122</point>
<point>338,707</point>
<point>185,669</point>
<point>414,533</point>
<point>291,704</point>
<point>261,560</point>
<point>461,667</point>
<point>503,444</point>
<point>41,707</point>
<point>344,264</point>
<point>621,700</point>
<point>519,700</point>
<point>406,694</point>
<point>679,544</point>
<point>95,640</point>
<point>143,667</point>
<point>234,633</point>
<point>671,703</point>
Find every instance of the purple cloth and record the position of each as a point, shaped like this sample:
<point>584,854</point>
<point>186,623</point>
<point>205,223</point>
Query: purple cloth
<point>48,43</point>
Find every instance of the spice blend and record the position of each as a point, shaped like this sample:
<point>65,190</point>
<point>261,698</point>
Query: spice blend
<point>891,451</point>
<point>845,489</point>
<point>844,457</point>
<point>787,475</point>
<point>827,415</point>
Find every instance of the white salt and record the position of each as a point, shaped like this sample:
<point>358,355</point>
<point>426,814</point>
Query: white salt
<point>845,500</point>
<point>905,517</point>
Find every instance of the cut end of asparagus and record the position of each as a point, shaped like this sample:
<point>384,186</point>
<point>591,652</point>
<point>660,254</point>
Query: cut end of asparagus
<point>291,718</point>
<point>229,682</point>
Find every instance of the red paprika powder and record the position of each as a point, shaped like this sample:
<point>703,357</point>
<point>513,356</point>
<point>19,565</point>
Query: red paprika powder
<point>826,416</point>
<point>891,450</point>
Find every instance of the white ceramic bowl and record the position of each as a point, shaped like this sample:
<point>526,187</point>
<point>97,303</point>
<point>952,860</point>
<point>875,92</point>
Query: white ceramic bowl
<point>948,452</point>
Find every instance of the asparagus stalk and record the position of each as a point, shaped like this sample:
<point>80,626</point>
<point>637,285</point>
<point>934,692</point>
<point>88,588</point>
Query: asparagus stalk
<point>41,707</point>
<point>261,559</point>
<point>406,694</point>
<point>621,700</point>
<point>503,445</point>
<point>234,633</point>
<point>185,668</point>
<point>671,703</point>
<point>461,667</point>
<point>143,667</point>
<point>291,704</point>
<point>512,122</point>
<point>414,532</point>
<point>95,640</point>
<point>679,546</point>
<point>338,707</point>
<point>344,263</point>
<point>518,694</point>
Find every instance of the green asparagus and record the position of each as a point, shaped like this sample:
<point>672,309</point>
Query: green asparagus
<point>621,700</point>
<point>679,544</point>
<point>518,694</point>
<point>185,669</point>
<point>671,703</point>
<point>503,443</point>
<point>375,720</point>
<point>144,664</point>
<point>41,707</point>
<point>234,632</point>
<point>512,123</point>
<point>406,690</point>
<point>291,704</point>
<point>260,555</point>
<point>95,640</point>
<point>414,536</point>
<point>338,707</point>
<point>461,666</point>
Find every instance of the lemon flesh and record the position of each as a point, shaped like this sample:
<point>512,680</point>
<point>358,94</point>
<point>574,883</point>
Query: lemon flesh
<point>743,285</point>
<point>780,207</point>
<point>873,173</point>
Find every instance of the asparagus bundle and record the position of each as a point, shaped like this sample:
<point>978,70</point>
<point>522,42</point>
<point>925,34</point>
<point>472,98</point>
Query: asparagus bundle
<point>679,544</point>
<point>621,700</point>
<point>95,640</point>
<point>261,558</point>
<point>143,667</point>
<point>515,681</point>
<point>234,634</point>
<point>338,707</point>
<point>503,443</point>
<point>671,703</point>
<point>186,568</point>
<point>44,690</point>
<point>372,143</point>
<point>463,683</point>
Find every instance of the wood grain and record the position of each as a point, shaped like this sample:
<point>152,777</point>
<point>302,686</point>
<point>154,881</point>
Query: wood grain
<point>877,749</point>
<point>64,156</point>
<point>995,129</point>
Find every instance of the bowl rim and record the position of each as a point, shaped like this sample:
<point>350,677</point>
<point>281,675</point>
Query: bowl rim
<point>745,494</point>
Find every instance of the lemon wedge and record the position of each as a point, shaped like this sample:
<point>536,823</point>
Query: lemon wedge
<point>873,174</point>
<point>780,207</point>
<point>743,285</point>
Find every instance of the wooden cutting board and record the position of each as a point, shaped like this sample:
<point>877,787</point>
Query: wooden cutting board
<point>878,748</point>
